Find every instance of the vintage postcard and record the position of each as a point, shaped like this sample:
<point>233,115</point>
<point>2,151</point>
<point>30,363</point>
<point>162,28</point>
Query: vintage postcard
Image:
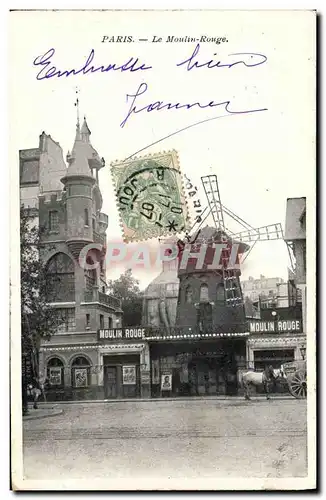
<point>163,249</point>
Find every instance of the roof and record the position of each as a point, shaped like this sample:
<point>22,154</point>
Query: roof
<point>85,128</point>
<point>295,227</point>
<point>78,163</point>
<point>210,235</point>
<point>165,278</point>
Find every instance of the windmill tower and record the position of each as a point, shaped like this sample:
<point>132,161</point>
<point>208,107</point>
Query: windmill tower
<point>246,234</point>
<point>216,292</point>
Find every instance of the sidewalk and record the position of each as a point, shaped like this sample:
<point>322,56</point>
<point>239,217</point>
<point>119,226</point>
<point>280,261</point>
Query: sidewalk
<point>42,412</point>
<point>185,398</point>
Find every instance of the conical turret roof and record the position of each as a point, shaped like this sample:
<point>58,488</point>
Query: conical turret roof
<point>85,132</point>
<point>78,159</point>
<point>83,157</point>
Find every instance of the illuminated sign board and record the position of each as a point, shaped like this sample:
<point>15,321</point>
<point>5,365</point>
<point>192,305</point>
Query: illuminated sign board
<point>112,334</point>
<point>280,326</point>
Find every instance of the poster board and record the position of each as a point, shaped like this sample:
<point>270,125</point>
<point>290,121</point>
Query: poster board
<point>166,382</point>
<point>80,377</point>
<point>55,375</point>
<point>129,375</point>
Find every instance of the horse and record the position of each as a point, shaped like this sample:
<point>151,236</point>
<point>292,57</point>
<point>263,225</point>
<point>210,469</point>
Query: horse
<point>259,378</point>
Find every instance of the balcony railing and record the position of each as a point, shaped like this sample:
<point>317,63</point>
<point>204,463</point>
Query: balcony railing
<point>102,298</point>
<point>109,300</point>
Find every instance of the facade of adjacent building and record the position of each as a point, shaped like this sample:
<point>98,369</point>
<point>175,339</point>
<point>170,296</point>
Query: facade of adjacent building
<point>66,201</point>
<point>261,288</point>
<point>280,334</point>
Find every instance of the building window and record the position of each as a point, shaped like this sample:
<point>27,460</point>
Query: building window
<point>103,289</point>
<point>60,279</point>
<point>88,319</point>
<point>66,320</point>
<point>86,219</point>
<point>101,321</point>
<point>55,372</point>
<point>110,322</point>
<point>172,288</point>
<point>189,294</point>
<point>275,358</point>
<point>93,224</point>
<point>80,372</point>
<point>53,220</point>
<point>220,296</point>
<point>90,279</point>
<point>203,293</point>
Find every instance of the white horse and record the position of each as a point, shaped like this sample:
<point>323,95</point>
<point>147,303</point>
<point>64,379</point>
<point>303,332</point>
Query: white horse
<point>252,378</point>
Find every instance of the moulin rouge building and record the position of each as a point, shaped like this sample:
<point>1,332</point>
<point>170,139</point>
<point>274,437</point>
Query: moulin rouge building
<point>194,338</point>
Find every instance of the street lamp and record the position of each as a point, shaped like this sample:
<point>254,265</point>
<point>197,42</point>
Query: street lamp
<point>275,315</point>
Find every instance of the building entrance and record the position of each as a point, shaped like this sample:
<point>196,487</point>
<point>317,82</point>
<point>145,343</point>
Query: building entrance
<point>198,368</point>
<point>121,376</point>
<point>212,376</point>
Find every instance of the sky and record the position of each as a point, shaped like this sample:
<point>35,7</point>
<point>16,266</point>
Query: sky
<point>260,159</point>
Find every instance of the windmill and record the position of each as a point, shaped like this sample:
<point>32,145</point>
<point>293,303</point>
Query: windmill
<point>247,234</point>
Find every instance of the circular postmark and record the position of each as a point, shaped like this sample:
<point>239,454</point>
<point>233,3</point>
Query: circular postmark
<point>150,197</point>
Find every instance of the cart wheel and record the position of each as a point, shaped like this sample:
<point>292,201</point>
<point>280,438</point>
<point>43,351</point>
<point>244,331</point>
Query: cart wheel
<point>298,385</point>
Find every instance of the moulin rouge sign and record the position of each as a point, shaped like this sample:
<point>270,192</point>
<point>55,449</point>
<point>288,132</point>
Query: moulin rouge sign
<point>120,333</point>
<point>275,326</point>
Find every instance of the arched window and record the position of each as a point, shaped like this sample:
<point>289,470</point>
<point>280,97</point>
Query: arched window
<point>55,372</point>
<point>220,297</point>
<point>60,282</point>
<point>80,372</point>
<point>203,293</point>
<point>188,294</point>
<point>86,218</point>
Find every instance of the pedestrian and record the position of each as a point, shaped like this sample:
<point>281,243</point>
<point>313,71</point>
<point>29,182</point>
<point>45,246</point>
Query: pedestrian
<point>36,392</point>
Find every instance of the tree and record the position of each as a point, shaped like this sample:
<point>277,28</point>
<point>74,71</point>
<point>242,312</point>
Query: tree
<point>127,289</point>
<point>38,319</point>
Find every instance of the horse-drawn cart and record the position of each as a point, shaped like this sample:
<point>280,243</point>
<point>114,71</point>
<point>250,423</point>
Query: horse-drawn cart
<point>295,374</point>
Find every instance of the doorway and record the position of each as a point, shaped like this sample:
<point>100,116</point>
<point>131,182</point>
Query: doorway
<point>121,376</point>
<point>202,378</point>
<point>110,382</point>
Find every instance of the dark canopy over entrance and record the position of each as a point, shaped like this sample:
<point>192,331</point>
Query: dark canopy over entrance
<point>198,368</point>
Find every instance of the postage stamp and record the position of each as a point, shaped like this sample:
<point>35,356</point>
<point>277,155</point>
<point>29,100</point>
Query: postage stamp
<point>150,196</point>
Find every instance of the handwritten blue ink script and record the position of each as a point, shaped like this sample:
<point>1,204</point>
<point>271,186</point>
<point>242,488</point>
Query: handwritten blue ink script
<point>44,61</point>
<point>161,105</point>
<point>133,64</point>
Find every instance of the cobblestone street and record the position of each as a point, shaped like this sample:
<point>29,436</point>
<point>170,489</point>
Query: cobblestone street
<point>207,438</point>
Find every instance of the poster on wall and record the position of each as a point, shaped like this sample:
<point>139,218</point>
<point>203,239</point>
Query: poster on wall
<point>55,376</point>
<point>166,382</point>
<point>155,371</point>
<point>80,375</point>
<point>129,375</point>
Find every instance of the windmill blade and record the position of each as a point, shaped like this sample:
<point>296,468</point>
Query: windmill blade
<point>236,217</point>
<point>250,249</point>
<point>214,201</point>
<point>264,233</point>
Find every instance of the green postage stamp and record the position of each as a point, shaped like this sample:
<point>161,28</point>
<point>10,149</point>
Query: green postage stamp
<point>150,196</point>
